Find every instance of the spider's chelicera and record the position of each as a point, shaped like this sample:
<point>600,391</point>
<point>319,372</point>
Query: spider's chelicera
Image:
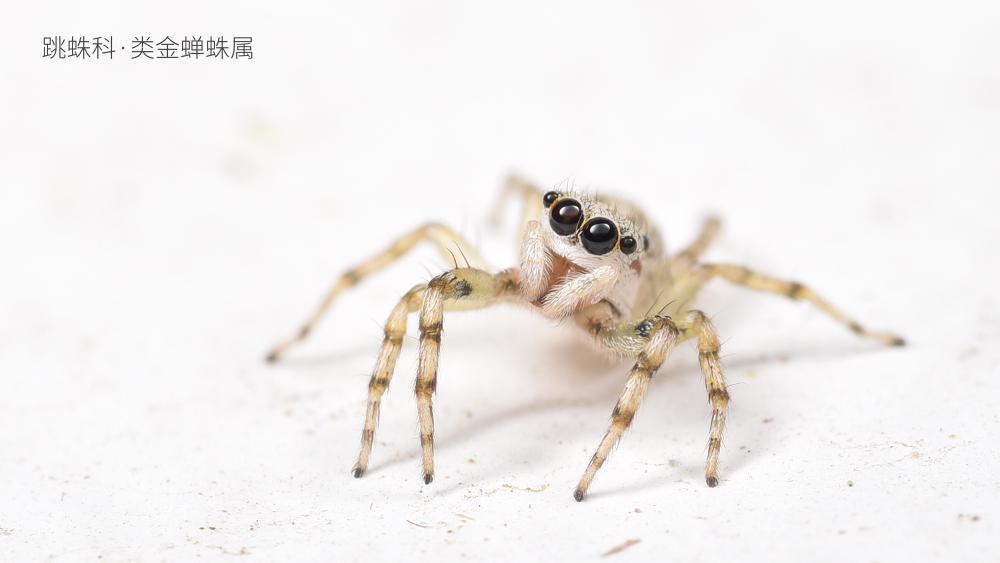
<point>580,260</point>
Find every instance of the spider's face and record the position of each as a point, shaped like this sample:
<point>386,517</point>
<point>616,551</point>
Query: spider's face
<point>590,233</point>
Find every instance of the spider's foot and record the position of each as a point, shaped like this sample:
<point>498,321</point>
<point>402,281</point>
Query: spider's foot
<point>272,357</point>
<point>428,477</point>
<point>357,472</point>
<point>886,338</point>
<point>712,480</point>
<point>578,495</point>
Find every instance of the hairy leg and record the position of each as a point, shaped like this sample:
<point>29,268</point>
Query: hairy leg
<point>385,365</point>
<point>466,286</point>
<point>697,325</point>
<point>668,283</point>
<point>793,290</point>
<point>395,330</point>
<point>529,195</point>
<point>688,257</point>
<point>447,241</point>
<point>656,336</point>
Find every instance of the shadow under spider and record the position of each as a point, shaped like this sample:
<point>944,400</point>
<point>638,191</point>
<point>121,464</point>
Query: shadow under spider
<point>566,359</point>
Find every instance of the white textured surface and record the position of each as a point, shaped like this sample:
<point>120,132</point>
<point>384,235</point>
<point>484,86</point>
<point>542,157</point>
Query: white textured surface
<point>162,224</point>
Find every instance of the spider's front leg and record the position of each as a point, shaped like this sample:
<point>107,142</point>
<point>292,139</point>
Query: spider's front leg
<point>458,289</point>
<point>697,325</point>
<point>470,286</point>
<point>656,337</point>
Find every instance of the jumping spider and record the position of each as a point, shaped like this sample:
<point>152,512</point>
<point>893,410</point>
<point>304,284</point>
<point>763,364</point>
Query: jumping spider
<point>593,260</point>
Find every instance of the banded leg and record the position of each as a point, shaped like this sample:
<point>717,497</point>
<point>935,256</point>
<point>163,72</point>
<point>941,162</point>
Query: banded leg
<point>385,365</point>
<point>660,335</point>
<point>794,290</point>
<point>687,258</point>
<point>468,288</point>
<point>697,325</point>
<point>443,237</point>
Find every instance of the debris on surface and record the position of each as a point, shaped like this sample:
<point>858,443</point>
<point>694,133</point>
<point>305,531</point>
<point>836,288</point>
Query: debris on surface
<point>506,487</point>
<point>620,548</point>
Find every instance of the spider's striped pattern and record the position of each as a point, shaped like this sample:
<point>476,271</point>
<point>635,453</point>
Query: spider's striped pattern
<point>593,260</point>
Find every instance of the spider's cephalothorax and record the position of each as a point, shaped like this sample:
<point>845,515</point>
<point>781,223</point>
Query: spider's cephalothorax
<point>591,259</point>
<point>581,251</point>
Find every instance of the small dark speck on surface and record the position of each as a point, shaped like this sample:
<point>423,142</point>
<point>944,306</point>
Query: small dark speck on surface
<point>968,517</point>
<point>850,483</point>
<point>768,420</point>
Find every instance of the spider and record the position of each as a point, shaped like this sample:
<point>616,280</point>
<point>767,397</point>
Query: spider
<point>594,261</point>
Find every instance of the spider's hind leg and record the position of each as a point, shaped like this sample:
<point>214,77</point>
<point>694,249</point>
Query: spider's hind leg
<point>444,238</point>
<point>527,193</point>
<point>688,257</point>
<point>793,290</point>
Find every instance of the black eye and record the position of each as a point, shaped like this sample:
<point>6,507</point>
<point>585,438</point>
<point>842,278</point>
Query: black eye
<point>549,198</point>
<point>628,245</point>
<point>565,216</point>
<point>599,236</point>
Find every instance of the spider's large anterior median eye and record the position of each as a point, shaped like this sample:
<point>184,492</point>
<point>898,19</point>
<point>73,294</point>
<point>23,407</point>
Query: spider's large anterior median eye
<point>599,236</point>
<point>549,198</point>
<point>565,216</point>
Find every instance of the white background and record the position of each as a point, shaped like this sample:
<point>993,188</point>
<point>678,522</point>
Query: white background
<point>162,223</point>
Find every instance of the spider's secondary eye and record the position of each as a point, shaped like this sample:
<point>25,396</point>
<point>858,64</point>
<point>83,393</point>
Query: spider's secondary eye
<point>628,245</point>
<point>565,216</point>
<point>549,198</point>
<point>645,242</point>
<point>599,236</point>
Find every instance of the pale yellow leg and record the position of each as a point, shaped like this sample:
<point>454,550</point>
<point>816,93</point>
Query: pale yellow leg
<point>530,196</point>
<point>697,325</point>
<point>450,244</point>
<point>659,335</point>
<point>688,257</point>
<point>468,289</point>
<point>793,290</point>
<point>385,366</point>
<point>669,283</point>
<point>477,288</point>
